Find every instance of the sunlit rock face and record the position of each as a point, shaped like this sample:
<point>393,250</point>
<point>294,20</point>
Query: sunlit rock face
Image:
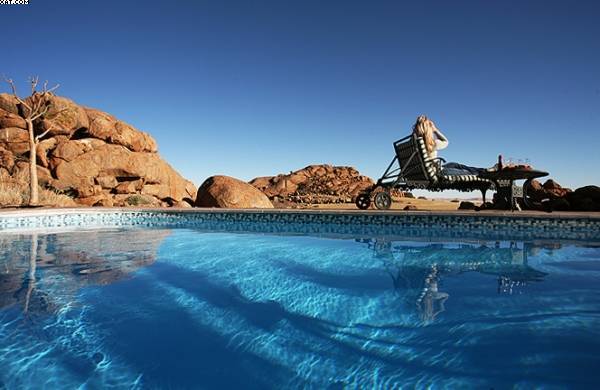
<point>229,192</point>
<point>314,184</point>
<point>90,155</point>
<point>34,265</point>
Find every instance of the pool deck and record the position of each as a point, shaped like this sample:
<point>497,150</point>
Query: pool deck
<point>498,213</point>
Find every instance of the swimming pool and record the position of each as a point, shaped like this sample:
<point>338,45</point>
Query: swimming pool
<point>248,304</point>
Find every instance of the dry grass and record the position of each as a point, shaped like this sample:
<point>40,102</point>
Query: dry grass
<point>11,195</point>
<point>15,192</point>
<point>55,198</point>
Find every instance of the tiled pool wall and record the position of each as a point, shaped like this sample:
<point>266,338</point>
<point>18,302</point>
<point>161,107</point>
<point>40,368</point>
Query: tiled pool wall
<point>397,224</point>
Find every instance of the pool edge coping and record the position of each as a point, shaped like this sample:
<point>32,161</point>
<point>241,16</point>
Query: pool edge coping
<point>462,213</point>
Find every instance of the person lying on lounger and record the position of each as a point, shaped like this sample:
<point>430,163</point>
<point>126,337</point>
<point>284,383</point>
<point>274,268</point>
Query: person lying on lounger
<point>434,141</point>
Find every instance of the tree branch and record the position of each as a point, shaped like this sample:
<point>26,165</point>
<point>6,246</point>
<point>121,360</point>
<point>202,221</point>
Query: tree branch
<point>52,127</point>
<point>41,98</point>
<point>34,82</point>
<point>38,137</point>
<point>41,113</point>
<point>37,104</point>
<point>14,91</point>
<point>52,124</point>
<point>53,89</point>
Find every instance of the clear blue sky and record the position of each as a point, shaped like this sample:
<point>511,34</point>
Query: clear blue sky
<point>255,88</point>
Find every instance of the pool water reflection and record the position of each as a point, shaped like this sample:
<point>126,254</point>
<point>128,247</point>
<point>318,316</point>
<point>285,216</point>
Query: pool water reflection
<point>182,308</point>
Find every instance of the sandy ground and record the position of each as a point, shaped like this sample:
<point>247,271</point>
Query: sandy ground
<point>398,204</point>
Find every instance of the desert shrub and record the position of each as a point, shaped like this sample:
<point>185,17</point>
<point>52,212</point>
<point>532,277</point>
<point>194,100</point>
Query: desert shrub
<point>137,200</point>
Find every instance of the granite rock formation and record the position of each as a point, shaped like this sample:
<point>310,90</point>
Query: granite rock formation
<point>559,198</point>
<point>92,156</point>
<point>584,199</point>
<point>228,192</point>
<point>314,184</point>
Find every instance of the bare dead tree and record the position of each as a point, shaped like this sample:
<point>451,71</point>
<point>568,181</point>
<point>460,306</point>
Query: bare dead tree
<point>34,107</point>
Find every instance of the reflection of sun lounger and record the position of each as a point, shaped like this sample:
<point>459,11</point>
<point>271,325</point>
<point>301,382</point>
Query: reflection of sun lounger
<point>416,170</point>
<point>431,301</point>
<point>509,261</point>
<point>417,268</point>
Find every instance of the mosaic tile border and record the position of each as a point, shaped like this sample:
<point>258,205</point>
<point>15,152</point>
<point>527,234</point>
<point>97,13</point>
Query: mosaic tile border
<point>428,225</point>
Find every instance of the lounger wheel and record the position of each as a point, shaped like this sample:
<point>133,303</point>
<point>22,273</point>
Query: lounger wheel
<point>363,201</point>
<point>383,200</point>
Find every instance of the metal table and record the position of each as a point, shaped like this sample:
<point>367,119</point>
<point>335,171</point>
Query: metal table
<point>507,192</point>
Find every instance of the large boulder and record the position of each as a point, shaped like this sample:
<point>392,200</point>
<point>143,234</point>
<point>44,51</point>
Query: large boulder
<point>9,119</point>
<point>550,190</point>
<point>228,192</point>
<point>14,139</point>
<point>68,150</point>
<point>160,191</point>
<point>42,151</point>
<point>108,128</point>
<point>9,103</point>
<point>585,199</point>
<point>554,189</point>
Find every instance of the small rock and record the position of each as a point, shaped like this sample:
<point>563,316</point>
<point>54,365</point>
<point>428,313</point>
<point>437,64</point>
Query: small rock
<point>466,205</point>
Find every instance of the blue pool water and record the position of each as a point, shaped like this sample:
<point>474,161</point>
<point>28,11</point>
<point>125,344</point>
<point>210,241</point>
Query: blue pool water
<point>182,308</point>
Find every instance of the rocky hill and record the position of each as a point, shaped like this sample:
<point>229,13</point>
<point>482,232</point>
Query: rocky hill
<point>90,156</point>
<point>314,184</point>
